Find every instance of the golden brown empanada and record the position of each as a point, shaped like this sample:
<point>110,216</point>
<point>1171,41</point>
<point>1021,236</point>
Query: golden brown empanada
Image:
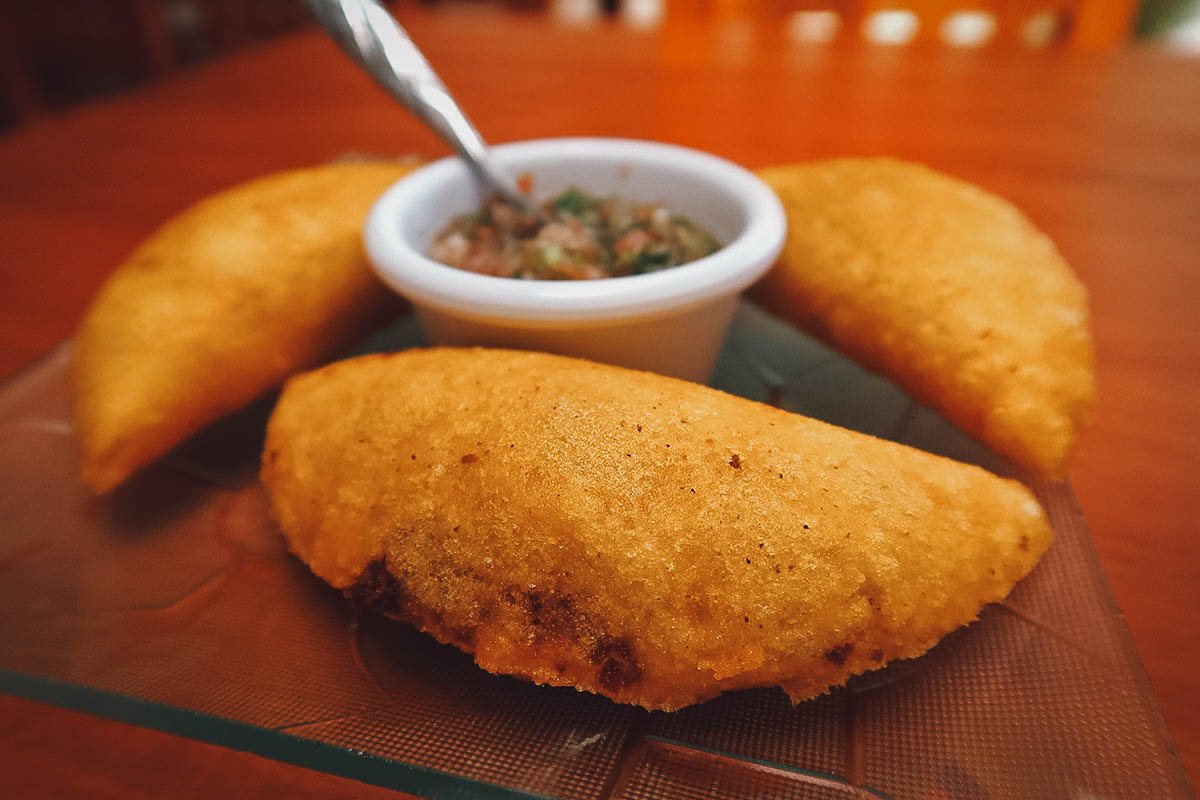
<point>945,289</point>
<point>642,537</point>
<point>218,306</point>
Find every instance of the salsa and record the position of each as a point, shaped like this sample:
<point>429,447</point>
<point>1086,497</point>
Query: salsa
<point>576,235</point>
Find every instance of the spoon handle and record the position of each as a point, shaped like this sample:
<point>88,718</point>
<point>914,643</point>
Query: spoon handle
<point>371,36</point>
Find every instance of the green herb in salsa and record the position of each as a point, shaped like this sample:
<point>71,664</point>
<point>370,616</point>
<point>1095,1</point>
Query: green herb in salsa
<point>577,235</point>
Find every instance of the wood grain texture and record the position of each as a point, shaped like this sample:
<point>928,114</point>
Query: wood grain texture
<point>1101,150</point>
<point>52,752</point>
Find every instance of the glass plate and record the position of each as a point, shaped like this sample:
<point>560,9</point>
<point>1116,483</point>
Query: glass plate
<point>173,604</point>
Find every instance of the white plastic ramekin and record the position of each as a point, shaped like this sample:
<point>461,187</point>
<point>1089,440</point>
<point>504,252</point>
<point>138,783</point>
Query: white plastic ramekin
<point>671,322</point>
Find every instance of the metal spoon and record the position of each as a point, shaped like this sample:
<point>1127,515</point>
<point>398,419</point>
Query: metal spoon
<point>372,37</point>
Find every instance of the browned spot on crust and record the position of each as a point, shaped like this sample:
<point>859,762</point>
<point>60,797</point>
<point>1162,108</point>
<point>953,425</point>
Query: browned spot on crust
<point>872,592</point>
<point>469,458</point>
<point>549,614</point>
<point>838,655</point>
<point>877,656</point>
<point>557,615</point>
<point>619,667</point>
<point>735,461</point>
<point>463,637</point>
<point>1024,544</point>
<point>696,608</point>
<point>379,589</point>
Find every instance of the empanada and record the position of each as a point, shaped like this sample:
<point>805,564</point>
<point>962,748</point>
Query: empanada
<point>221,304</point>
<point>945,289</point>
<point>646,538</point>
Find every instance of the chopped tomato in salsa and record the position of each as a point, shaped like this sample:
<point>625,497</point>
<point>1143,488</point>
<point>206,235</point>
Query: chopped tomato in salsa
<point>577,235</point>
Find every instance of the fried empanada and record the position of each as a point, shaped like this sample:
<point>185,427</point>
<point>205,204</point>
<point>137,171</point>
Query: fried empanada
<point>218,306</point>
<point>624,533</point>
<point>945,289</point>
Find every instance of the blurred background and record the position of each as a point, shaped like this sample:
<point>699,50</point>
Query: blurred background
<point>58,53</point>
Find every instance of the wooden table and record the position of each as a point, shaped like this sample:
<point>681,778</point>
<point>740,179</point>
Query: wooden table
<point>1101,150</point>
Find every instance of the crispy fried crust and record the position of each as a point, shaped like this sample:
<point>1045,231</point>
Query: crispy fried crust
<point>649,539</point>
<point>219,305</point>
<point>947,290</point>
